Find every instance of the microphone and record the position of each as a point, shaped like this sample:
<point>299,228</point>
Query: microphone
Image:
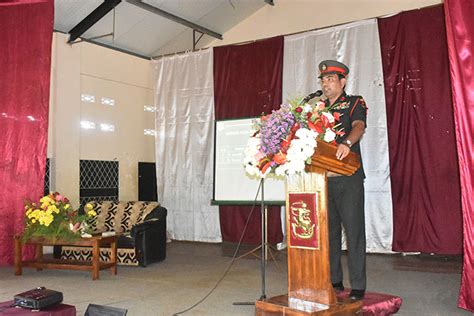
<point>317,93</point>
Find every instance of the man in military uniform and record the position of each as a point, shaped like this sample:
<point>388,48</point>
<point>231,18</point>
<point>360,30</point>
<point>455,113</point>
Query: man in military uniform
<point>346,193</point>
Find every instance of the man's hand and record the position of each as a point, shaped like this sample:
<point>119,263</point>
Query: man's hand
<point>358,128</point>
<point>342,151</point>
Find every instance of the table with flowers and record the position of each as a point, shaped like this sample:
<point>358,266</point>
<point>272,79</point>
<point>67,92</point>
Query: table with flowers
<point>52,221</point>
<point>39,262</point>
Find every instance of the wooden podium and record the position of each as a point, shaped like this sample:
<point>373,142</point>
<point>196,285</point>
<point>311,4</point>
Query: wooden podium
<point>310,290</point>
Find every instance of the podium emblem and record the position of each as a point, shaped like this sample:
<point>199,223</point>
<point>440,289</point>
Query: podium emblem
<point>304,220</point>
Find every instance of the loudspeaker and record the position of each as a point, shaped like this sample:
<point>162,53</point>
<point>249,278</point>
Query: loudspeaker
<point>100,310</point>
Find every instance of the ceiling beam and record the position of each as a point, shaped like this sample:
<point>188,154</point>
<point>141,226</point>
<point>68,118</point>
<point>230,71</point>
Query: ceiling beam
<point>92,18</point>
<point>174,18</point>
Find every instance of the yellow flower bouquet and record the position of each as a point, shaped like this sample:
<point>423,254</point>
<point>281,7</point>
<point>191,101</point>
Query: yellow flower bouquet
<point>54,218</point>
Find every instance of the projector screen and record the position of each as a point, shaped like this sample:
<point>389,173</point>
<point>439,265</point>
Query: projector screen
<point>231,184</point>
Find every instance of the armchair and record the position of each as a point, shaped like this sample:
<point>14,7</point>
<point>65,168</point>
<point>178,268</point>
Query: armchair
<point>142,232</point>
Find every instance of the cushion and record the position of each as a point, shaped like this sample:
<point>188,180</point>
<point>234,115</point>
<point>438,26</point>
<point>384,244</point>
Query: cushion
<point>119,216</point>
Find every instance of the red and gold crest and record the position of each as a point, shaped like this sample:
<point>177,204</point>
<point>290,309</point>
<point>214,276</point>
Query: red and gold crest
<point>303,220</point>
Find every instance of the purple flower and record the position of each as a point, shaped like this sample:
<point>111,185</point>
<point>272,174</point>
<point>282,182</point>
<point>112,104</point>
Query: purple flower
<point>274,129</point>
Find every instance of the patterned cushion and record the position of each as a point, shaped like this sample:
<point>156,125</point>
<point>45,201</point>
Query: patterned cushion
<point>125,256</point>
<point>120,216</point>
<point>139,213</point>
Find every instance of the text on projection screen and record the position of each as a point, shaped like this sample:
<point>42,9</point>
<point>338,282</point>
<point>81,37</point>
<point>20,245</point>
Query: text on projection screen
<point>231,183</point>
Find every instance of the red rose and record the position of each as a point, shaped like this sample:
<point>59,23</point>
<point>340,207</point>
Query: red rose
<point>299,109</point>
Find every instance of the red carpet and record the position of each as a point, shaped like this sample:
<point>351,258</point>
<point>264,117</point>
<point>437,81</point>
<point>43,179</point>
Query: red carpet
<point>377,303</point>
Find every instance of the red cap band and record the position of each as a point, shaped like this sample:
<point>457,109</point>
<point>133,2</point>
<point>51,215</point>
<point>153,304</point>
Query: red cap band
<point>334,69</point>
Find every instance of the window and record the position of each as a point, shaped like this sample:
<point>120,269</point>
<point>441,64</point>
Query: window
<point>99,181</point>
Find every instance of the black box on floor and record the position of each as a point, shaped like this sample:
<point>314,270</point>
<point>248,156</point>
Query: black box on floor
<point>38,298</point>
<point>100,310</point>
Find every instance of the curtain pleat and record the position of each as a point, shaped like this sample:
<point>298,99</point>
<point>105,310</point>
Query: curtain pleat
<point>184,123</point>
<point>247,82</point>
<point>460,34</point>
<point>25,66</point>
<point>422,145</point>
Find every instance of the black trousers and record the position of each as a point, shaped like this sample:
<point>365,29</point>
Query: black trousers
<point>346,208</point>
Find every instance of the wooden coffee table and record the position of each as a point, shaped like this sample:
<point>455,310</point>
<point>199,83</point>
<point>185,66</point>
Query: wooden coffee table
<point>66,264</point>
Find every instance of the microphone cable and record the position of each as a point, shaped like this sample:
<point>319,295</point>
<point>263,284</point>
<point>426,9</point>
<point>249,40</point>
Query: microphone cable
<point>231,263</point>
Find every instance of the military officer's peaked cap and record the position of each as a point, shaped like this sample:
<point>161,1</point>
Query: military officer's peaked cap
<point>327,67</point>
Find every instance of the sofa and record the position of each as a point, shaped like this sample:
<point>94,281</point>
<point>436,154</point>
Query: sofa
<point>141,227</point>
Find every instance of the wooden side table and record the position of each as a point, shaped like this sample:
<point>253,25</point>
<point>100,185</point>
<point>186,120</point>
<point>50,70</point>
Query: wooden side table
<point>96,242</point>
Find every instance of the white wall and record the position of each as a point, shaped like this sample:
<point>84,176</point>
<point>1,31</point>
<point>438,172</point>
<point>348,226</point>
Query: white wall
<point>104,73</point>
<point>291,16</point>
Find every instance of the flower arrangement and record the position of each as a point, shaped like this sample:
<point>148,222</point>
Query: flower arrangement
<point>54,218</point>
<point>285,139</point>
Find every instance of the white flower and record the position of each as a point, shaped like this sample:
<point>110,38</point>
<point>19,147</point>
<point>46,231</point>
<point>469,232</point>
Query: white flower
<point>305,143</point>
<point>306,134</point>
<point>281,169</point>
<point>254,171</point>
<point>251,158</point>
<point>307,107</point>
<point>329,135</point>
<point>329,116</point>
<point>251,170</point>
<point>263,175</point>
<point>300,150</point>
<point>295,166</point>
<point>253,147</point>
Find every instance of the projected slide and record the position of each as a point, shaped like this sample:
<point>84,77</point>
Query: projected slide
<point>231,183</point>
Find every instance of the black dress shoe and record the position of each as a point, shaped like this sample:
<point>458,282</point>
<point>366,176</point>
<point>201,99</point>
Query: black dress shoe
<point>338,287</point>
<point>357,294</point>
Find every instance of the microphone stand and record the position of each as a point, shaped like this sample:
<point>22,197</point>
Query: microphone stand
<point>263,247</point>
<point>264,242</point>
<point>263,212</point>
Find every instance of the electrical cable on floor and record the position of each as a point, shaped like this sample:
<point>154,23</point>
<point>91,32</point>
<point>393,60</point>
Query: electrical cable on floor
<point>231,262</point>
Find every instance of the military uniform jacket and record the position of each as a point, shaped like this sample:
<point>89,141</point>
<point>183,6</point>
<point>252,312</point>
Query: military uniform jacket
<point>350,108</point>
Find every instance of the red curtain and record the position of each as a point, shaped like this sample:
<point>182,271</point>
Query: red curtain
<point>460,34</point>
<point>26,29</point>
<point>422,145</point>
<point>247,82</point>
